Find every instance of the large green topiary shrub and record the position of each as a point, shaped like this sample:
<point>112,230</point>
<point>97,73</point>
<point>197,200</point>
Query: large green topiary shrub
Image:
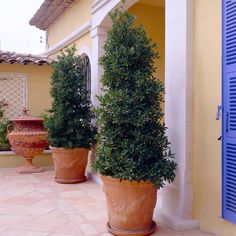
<point>132,142</point>
<point>69,123</point>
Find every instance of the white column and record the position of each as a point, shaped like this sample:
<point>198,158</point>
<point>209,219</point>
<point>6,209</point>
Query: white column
<point>176,198</point>
<point>99,35</point>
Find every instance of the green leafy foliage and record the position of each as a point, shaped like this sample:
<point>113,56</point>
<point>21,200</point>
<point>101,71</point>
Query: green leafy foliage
<point>69,123</point>
<point>4,122</point>
<point>3,104</point>
<point>132,142</point>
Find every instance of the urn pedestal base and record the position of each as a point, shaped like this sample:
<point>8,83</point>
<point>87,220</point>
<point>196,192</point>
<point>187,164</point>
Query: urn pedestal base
<point>28,168</point>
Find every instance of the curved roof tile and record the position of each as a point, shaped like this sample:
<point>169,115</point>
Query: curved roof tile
<point>21,58</point>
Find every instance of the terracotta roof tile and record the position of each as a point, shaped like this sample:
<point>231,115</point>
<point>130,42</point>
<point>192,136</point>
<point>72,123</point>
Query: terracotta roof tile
<point>21,58</point>
<point>48,12</point>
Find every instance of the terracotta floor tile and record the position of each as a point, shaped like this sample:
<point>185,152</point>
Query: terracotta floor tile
<point>88,185</point>
<point>3,228</point>
<point>32,179</point>
<point>9,171</point>
<point>35,205</point>
<point>45,190</point>
<point>195,233</point>
<point>39,208</point>
<point>9,208</point>
<point>70,228</point>
<point>36,194</point>
<point>41,185</point>
<point>17,191</point>
<point>21,200</point>
<point>88,207</point>
<point>99,198</point>
<point>100,226</point>
<point>4,197</point>
<point>71,194</point>
<point>52,195</point>
<point>80,200</point>
<point>96,215</point>
<point>88,229</point>
<point>49,222</point>
<point>63,206</point>
<point>13,221</point>
<point>63,187</point>
<point>58,234</point>
<point>77,218</point>
<point>16,232</point>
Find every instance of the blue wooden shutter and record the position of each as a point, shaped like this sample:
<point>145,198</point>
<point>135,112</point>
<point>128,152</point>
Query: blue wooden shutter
<point>229,111</point>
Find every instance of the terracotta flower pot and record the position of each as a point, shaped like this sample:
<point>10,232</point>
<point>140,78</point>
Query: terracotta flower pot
<point>70,164</point>
<point>130,206</point>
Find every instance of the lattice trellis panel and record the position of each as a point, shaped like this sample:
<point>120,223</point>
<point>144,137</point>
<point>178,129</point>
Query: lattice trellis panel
<point>13,89</point>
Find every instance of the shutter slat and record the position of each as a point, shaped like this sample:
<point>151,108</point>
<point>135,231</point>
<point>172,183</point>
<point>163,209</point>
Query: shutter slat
<point>229,111</point>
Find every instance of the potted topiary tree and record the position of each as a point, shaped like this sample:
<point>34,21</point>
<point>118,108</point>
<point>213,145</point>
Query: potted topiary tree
<point>134,157</point>
<point>70,131</point>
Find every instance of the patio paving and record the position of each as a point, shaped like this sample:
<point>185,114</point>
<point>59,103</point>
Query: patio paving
<point>35,205</point>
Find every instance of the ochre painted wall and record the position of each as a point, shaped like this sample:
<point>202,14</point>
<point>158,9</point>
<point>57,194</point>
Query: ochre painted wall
<point>153,20</point>
<point>10,160</point>
<point>207,94</point>
<point>38,79</point>
<point>75,16</point>
<point>83,42</point>
<point>39,100</point>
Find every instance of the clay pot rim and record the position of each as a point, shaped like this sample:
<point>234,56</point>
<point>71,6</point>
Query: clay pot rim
<point>126,182</point>
<point>66,149</point>
<point>24,119</point>
<point>29,133</point>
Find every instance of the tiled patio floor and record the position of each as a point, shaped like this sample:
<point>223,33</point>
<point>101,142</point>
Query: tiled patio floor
<point>34,205</point>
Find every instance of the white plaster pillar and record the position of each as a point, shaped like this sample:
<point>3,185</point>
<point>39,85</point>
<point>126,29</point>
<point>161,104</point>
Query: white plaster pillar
<point>99,35</point>
<point>176,198</point>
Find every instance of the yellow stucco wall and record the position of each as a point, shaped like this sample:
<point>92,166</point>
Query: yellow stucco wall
<point>207,149</point>
<point>153,20</point>
<point>83,42</point>
<point>75,16</point>
<point>38,80</point>
<point>10,160</point>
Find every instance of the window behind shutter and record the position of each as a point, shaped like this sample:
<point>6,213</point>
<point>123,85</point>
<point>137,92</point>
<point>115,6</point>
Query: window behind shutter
<point>229,111</point>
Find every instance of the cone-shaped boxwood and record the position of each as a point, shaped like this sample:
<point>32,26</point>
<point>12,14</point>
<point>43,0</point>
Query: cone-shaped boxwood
<point>69,123</point>
<point>132,143</point>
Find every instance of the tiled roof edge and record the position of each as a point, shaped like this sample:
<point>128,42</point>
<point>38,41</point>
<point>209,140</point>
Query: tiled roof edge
<point>48,12</point>
<point>22,58</point>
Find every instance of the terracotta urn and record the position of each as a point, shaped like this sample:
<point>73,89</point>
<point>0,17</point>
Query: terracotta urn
<point>28,138</point>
